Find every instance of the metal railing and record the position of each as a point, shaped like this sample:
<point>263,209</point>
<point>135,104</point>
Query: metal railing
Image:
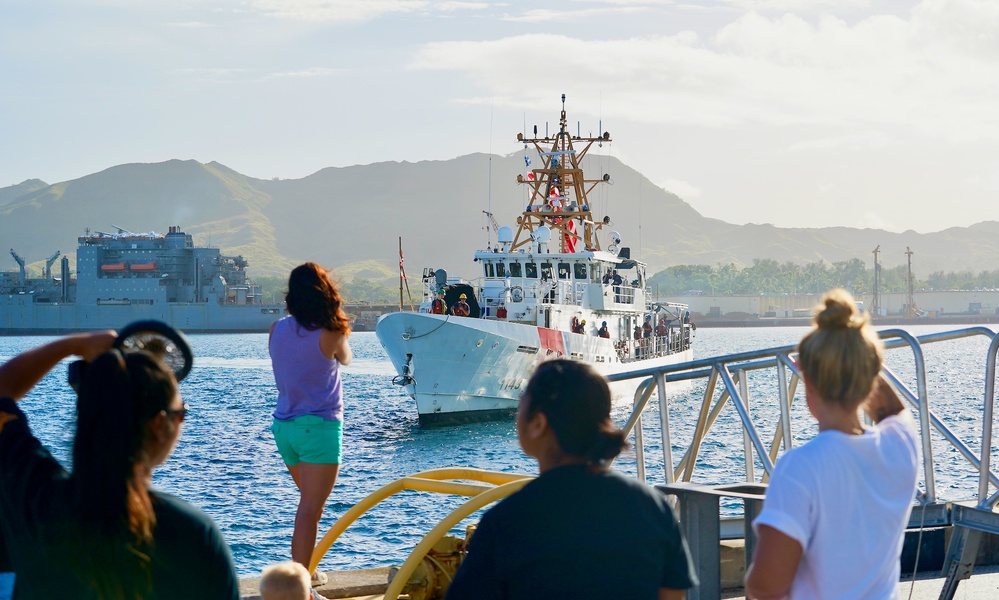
<point>727,379</point>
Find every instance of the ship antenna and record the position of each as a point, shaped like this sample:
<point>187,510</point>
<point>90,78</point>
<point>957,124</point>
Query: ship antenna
<point>489,180</point>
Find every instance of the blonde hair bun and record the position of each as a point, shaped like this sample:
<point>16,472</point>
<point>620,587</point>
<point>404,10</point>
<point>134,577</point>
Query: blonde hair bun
<point>839,311</point>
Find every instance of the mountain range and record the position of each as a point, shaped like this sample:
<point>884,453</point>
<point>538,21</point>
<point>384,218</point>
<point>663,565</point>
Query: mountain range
<point>351,218</point>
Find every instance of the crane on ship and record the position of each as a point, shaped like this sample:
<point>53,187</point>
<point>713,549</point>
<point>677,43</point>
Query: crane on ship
<point>493,223</point>
<point>22,280</point>
<point>48,264</point>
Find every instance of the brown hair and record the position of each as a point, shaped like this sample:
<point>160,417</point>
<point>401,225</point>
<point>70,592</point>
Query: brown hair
<point>842,355</point>
<point>314,300</point>
<point>577,402</point>
<point>112,526</point>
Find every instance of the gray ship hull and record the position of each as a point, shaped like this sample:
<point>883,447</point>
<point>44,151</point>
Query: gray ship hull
<point>20,317</point>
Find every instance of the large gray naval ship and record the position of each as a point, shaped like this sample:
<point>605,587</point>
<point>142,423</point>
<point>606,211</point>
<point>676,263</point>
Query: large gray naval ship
<point>123,277</point>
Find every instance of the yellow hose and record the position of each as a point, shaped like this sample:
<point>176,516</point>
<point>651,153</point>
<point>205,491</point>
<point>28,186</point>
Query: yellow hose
<point>424,481</point>
<point>445,525</point>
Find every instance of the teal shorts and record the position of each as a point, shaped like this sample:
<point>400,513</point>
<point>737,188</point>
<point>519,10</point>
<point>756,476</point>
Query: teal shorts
<point>309,439</point>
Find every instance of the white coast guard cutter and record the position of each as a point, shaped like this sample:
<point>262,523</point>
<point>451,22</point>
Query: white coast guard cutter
<point>544,293</point>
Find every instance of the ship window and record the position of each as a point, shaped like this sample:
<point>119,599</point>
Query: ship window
<point>532,270</point>
<point>516,270</point>
<point>546,271</point>
<point>580,269</point>
<point>489,269</point>
<point>500,269</point>
<point>563,270</point>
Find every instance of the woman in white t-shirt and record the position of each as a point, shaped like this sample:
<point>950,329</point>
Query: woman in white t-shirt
<point>836,509</point>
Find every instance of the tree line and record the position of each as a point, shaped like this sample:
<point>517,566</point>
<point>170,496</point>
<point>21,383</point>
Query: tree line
<point>767,276</point>
<point>764,276</point>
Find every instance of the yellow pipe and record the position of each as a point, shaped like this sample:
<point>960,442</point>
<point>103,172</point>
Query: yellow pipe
<point>426,481</point>
<point>406,570</point>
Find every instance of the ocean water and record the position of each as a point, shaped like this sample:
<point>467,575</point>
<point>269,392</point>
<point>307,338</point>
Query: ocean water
<point>226,462</point>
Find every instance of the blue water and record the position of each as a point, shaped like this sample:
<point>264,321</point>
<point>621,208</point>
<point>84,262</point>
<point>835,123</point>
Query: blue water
<point>226,462</point>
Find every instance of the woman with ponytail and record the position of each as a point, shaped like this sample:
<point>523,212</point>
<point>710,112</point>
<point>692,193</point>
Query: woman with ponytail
<point>836,508</point>
<point>580,530</point>
<point>101,531</point>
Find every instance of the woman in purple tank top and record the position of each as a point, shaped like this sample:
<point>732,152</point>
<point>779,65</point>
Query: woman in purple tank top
<point>307,349</point>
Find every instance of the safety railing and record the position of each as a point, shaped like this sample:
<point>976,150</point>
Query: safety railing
<point>726,379</point>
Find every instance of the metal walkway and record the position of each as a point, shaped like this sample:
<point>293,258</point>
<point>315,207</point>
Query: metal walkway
<point>739,378</point>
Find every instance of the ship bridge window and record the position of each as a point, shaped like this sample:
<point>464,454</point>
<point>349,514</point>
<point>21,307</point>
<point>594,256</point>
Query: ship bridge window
<point>501,269</point>
<point>580,271</point>
<point>563,270</point>
<point>489,269</point>
<point>546,271</point>
<point>532,270</point>
<point>516,270</point>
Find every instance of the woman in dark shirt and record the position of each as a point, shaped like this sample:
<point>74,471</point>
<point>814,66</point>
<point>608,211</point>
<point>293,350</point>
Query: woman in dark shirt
<point>102,527</point>
<point>579,530</point>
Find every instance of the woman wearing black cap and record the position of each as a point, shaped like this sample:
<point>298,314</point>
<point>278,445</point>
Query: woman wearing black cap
<point>579,530</point>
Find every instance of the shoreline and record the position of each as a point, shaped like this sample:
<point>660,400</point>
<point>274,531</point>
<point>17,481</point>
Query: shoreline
<point>709,322</point>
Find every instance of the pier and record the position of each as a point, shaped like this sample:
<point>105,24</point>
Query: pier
<point>748,407</point>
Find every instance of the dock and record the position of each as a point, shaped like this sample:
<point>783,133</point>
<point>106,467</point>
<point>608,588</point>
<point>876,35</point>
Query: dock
<point>951,543</point>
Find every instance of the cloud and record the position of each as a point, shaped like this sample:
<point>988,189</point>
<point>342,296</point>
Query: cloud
<point>684,190</point>
<point>336,10</point>
<point>932,73</point>
<point>797,6</point>
<point>190,25</point>
<point>303,73</point>
<point>545,15</point>
<point>851,141</point>
<point>455,6</point>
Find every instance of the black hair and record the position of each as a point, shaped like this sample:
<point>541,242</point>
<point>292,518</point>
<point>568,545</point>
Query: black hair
<point>112,520</point>
<point>576,400</point>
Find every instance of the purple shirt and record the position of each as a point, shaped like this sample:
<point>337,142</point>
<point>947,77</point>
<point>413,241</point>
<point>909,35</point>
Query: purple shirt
<point>308,383</point>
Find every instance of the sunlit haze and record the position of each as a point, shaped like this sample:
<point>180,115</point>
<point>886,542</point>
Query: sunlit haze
<point>800,113</point>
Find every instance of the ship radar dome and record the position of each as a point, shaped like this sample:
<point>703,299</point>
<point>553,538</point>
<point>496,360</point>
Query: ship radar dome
<point>504,235</point>
<point>543,234</point>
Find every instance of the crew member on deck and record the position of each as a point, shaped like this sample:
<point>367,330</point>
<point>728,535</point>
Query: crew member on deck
<point>647,327</point>
<point>603,332</point>
<point>438,306</point>
<point>460,308</point>
<point>617,280</point>
<point>608,278</point>
<point>580,328</point>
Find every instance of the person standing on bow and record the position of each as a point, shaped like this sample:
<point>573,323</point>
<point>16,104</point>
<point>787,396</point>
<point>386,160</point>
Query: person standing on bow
<point>460,308</point>
<point>438,306</point>
<point>307,349</point>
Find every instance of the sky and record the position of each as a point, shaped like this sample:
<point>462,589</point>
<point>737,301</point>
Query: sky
<point>799,113</point>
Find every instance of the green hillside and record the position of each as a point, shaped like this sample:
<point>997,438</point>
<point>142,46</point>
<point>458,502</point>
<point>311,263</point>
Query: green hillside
<point>351,218</point>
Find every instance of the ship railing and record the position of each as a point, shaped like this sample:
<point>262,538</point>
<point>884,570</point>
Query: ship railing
<point>768,380</point>
<point>676,340</point>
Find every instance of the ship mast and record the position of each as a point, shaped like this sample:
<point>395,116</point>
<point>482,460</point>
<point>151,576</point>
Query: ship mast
<point>559,191</point>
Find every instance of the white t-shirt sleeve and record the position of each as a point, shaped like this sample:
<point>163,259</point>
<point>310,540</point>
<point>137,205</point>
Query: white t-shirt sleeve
<point>789,506</point>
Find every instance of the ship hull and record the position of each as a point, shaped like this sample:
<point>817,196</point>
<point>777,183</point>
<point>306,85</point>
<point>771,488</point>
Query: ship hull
<point>467,369</point>
<point>20,316</point>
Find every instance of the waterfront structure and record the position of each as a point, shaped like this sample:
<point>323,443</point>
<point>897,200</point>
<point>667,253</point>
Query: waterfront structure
<point>124,277</point>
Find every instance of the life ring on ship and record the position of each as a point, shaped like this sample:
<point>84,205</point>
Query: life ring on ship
<point>517,293</point>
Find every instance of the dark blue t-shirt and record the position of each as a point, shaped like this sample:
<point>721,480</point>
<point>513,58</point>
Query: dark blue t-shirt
<point>188,557</point>
<point>573,533</point>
